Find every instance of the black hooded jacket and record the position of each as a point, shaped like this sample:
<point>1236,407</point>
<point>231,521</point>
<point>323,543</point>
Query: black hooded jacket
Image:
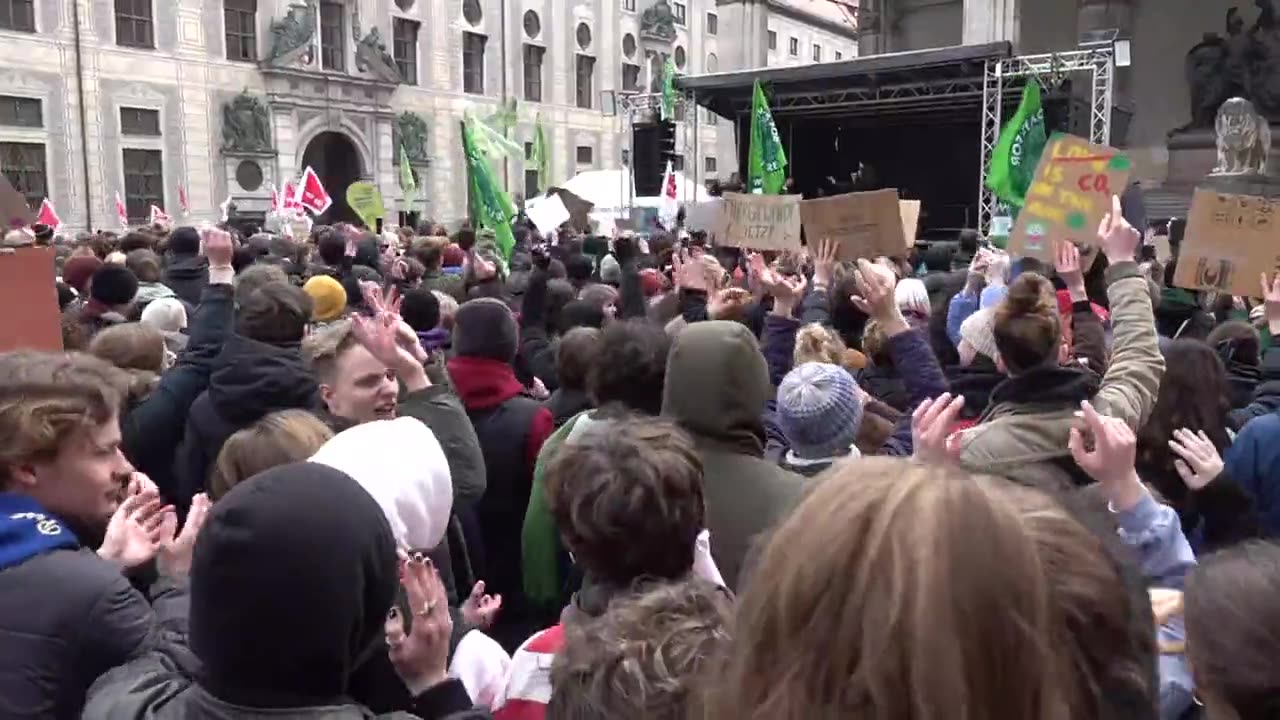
<point>250,379</point>
<point>187,276</point>
<point>274,633</point>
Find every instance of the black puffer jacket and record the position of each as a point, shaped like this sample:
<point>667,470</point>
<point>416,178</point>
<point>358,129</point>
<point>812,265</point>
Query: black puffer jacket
<point>250,379</point>
<point>187,276</point>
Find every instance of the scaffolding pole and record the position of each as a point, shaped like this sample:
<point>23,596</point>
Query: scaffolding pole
<point>1051,70</point>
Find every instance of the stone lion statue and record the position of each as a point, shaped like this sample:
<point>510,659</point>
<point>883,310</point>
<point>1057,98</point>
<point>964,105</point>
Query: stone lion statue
<point>1244,139</point>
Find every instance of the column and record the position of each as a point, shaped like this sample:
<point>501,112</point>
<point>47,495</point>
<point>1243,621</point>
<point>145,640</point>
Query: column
<point>988,21</point>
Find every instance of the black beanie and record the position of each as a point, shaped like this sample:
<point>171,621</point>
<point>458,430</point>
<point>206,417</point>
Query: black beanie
<point>184,241</point>
<point>113,285</point>
<point>485,328</point>
<point>421,309</point>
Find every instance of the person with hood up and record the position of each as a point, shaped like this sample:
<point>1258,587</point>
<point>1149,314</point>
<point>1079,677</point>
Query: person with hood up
<point>169,316</point>
<point>512,428</point>
<point>273,633</point>
<point>717,387</point>
<point>410,481</point>
<point>186,270</point>
<point>259,370</point>
<point>68,613</point>
<point>1032,412</point>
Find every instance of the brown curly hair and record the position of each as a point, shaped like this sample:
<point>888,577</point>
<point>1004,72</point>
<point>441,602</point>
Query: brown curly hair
<point>1027,328</point>
<point>628,500</point>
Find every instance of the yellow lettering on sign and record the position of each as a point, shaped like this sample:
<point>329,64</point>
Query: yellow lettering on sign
<point>1046,211</point>
<point>1073,200</point>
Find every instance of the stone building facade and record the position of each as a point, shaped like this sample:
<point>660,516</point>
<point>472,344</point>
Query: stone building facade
<point>150,99</point>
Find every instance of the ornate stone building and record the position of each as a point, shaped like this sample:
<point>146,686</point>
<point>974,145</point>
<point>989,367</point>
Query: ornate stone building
<point>226,98</point>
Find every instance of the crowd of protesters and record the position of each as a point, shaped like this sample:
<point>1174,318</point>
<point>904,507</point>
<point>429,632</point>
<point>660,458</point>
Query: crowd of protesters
<point>362,474</point>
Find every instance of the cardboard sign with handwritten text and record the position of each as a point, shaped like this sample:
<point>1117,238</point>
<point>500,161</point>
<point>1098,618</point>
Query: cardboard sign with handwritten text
<point>1230,241</point>
<point>864,224</point>
<point>762,222</point>
<point>1068,198</point>
<point>27,283</point>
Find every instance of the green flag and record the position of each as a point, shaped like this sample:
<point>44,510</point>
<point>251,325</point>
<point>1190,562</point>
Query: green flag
<point>1014,160</point>
<point>540,158</point>
<point>407,182</point>
<point>490,205</point>
<point>766,161</point>
<point>669,90</point>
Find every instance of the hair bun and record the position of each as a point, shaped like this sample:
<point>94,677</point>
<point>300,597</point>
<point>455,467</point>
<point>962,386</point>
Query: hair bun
<point>1029,294</point>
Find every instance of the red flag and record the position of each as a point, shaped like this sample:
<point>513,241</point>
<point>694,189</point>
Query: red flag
<point>48,216</point>
<point>290,199</point>
<point>159,216</point>
<point>311,193</point>
<point>669,207</point>
<point>122,214</point>
<point>183,201</point>
<point>275,199</point>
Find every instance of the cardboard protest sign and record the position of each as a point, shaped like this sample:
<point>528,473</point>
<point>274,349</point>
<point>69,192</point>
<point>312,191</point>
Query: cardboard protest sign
<point>1230,241</point>
<point>14,211</point>
<point>910,210</point>
<point>762,222</point>
<point>27,283</point>
<point>708,217</point>
<point>1068,198</point>
<point>579,208</point>
<point>548,213</point>
<point>864,224</point>
<point>364,198</point>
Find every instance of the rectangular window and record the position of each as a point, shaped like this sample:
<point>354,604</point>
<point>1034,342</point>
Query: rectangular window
<point>630,77</point>
<point>405,48</point>
<point>586,71</point>
<point>680,12</point>
<point>533,72</point>
<point>18,15</point>
<point>709,163</point>
<point>133,24</point>
<point>773,40</point>
<point>139,121</point>
<point>531,183</point>
<point>333,39</point>
<point>585,155</point>
<point>143,182</point>
<point>23,165</point>
<point>241,20</point>
<point>677,163</point>
<point>629,5</point>
<point>817,52</point>
<point>839,55</point>
<point>626,157</point>
<point>473,63</point>
<point>795,47</point>
<point>21,112</point>
<point>713,24</point>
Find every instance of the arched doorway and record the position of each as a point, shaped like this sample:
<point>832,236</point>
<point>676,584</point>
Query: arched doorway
<point>337,162</point>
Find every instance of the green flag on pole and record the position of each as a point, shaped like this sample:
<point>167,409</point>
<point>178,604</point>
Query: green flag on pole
<point>1017,152</point>
<point>407,182</point>
<point>669,90</point>
<point>540,158</point>
<point>490,205</point>
<point>766,161</point>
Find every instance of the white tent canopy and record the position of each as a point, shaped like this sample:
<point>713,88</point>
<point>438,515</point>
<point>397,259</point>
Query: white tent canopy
<point>609,191</point>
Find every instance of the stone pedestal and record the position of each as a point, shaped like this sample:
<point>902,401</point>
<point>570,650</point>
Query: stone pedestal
<point>1193,154</point>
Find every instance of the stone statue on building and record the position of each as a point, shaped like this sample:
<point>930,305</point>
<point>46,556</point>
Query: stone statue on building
<point>1243,138</point>
<point>411,130</point>
<point>291,36</point>
<point>1244,64</point>
<point>658,22</point>
<point>245,125</point>
<point>372,56</point>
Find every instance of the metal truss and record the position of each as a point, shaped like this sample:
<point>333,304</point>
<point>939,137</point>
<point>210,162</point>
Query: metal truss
<point>853,97</point>
<point>1050,70</point>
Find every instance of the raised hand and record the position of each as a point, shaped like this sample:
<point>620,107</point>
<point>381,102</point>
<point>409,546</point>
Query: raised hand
<point>931,435</point>
<point>1118,238</point>
<point>420,656</point>
<point>689,272</point>
<point>134,532</point>
<point>176,548</point>
<point>1271,301</point>
<point>1111,461</point>
<point>1199,463</point>
<point>824,263</point>
<point>1067,263</point>
<point>875,284</point>
<point>217,246</point>
<point>480,609</point>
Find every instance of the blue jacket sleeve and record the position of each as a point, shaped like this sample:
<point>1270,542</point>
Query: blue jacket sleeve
<point>1253,461</point>
<point>923,379</point>
<point>778,345</point>
<point>1154,531</point>
<point>963,304</point>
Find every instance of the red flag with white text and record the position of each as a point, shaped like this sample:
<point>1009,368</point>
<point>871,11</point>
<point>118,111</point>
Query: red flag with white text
<point>122,213</point>
<point>159,217</point>
<point>311,193</point>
